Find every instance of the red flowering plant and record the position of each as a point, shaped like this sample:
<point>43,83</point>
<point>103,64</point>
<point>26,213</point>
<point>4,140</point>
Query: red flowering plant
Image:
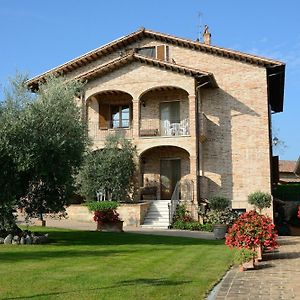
<point>252,230</point>
<point>104,211</point>
<point>298,215</point>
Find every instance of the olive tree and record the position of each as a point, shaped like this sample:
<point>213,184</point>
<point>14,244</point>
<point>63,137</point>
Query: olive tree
<point>111,169</point>
<point>42,144</point>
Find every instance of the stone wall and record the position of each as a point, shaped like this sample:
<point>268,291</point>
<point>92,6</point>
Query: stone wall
<point>131,214</point>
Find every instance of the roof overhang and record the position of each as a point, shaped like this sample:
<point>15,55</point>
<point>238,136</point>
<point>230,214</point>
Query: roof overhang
<point>199,75</point>
<point>275,81</point>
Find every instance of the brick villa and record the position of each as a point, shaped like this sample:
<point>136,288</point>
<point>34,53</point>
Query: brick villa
<point>198,114</point>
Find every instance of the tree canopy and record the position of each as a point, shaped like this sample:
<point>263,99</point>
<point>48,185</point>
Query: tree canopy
<point>42,144</point>
<point>110,169</point>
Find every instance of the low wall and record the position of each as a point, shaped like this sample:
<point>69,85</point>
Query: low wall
<point>132,214</point>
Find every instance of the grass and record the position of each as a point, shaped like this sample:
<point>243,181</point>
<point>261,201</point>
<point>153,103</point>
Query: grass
<point>94,265</point>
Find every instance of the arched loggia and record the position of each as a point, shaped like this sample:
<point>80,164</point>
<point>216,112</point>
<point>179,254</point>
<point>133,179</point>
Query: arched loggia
<point>164,111</point>
<point>161,168</point>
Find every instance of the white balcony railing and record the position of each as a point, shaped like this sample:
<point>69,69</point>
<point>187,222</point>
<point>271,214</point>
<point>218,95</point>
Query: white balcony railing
<point>164,128</point>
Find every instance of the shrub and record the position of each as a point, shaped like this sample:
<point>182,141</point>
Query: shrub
<point>219,203</point>
<point>182,214</point>
<point>260,200</point>
<point>102,205</point>
<point>191,225</point>
<point>251,230</point>
<point>226,216</point>
<point>106,216</point>
<point>244,255</point>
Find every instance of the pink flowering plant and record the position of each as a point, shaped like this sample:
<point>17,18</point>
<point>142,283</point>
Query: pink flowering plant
<point>106,216</point>
<point>298,215</point>
<point>104,211</point>
<point>252,230</point>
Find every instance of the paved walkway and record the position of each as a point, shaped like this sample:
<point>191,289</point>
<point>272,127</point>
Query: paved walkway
<point>277,276</point>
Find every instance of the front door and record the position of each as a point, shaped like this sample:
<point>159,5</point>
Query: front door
<point>170,174</point>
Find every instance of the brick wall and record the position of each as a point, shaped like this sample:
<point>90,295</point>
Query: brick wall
<point>235,157</point>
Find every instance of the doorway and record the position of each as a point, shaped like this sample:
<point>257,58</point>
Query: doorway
<point>170,174</point>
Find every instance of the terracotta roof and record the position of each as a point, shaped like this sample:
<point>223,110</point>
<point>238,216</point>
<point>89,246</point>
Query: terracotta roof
<point>287,166</point>
<point>275,69</point>
<point>137,35</point>
<point>133,57</point>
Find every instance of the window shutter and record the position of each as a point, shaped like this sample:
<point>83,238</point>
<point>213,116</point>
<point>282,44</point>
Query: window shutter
<point>103,116</point>
<point>161,52</point>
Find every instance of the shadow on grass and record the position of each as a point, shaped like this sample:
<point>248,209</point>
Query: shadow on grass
<point>12,257</point>
<point>72,244</point>
<point>60,237</point>
<point>134,282</point>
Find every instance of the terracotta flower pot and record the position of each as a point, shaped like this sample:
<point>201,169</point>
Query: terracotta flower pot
<point>248,265</point>
<point>114,226</point>
<point>258,250</point>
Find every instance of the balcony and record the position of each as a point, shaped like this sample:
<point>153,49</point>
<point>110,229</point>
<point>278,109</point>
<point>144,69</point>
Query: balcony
<point>97,133</point>
<point>165,128</point>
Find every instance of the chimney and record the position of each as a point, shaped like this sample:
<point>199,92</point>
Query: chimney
<point>206,36</point>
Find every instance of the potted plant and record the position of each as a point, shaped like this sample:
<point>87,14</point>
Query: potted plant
<point>251,231</point>
<point>106,216</point>
<point>260,200</point>
<point>220,216</point>
<point>245,258</point>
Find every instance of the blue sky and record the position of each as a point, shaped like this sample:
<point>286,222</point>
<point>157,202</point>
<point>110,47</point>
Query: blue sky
<point>39,35</point>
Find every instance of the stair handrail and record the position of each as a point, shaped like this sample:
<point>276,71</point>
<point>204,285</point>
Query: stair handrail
<point>175,199</point>
<point>177,195</point>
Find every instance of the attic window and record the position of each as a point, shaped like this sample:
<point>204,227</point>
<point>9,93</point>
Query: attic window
<point>159,52</point>
<point>147,51</point>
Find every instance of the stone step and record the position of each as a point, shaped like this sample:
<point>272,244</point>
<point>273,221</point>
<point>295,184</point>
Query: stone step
<point>154,227</point>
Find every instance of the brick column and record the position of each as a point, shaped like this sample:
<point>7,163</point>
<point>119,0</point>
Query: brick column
<point>192,115</point>
<point>193,153</point>
<point>135,118</point>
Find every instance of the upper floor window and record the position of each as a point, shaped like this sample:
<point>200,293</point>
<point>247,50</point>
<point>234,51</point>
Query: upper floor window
<point>159,52</point>
<point>119,116</point>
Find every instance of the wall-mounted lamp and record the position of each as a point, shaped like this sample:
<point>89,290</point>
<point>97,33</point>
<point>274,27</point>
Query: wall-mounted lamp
<point>144,103</point>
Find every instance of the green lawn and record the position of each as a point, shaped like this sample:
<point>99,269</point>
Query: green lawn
<point>94,265</point>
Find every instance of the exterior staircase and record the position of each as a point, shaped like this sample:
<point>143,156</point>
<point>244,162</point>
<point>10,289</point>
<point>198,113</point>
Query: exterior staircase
<point>158,215</point>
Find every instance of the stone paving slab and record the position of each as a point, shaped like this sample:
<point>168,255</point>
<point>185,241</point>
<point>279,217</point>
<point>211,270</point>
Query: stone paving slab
<point>276,277</point>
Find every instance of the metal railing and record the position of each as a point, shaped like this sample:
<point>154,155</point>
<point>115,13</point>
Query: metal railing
<point>158,127</point>
<point>184,191</point>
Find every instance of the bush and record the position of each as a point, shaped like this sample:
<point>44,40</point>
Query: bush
<point>251,230</point>
<point>182,214</point>
<point>226,216</point>
<point>102,205</point>
<point>219,203</point>
<point>191,225</point>
<point>260,200</point>
<point>244,255</point>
